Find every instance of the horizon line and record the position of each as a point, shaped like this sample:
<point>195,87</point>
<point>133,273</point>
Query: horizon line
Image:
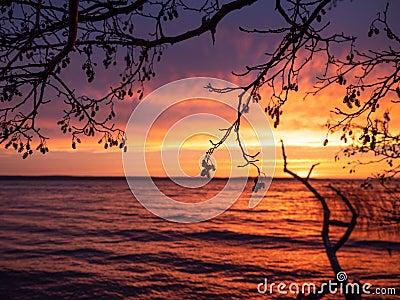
<point>117,177</point>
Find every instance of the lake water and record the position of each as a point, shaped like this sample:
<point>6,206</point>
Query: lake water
<point>89,238</point>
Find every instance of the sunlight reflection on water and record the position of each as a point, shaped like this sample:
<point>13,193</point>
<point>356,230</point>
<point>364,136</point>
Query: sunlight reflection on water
<point>87,238</point>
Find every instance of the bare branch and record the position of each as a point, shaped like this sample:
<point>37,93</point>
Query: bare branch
<point>327,222</point>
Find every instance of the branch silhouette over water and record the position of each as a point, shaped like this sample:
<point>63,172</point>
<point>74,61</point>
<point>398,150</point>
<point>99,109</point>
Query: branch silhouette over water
<point>331,247</point>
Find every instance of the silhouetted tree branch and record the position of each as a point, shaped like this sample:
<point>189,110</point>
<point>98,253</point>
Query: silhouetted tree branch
<point>298,43</point>
<point>376,139</point>
<point>331,248</point>
<point>39,40</point>
<point>368,77</point>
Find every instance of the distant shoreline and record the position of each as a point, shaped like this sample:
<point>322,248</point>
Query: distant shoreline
<point>76,177</point>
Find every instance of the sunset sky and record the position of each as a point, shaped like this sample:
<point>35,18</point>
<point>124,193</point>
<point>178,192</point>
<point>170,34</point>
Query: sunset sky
<point>302,127</point>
